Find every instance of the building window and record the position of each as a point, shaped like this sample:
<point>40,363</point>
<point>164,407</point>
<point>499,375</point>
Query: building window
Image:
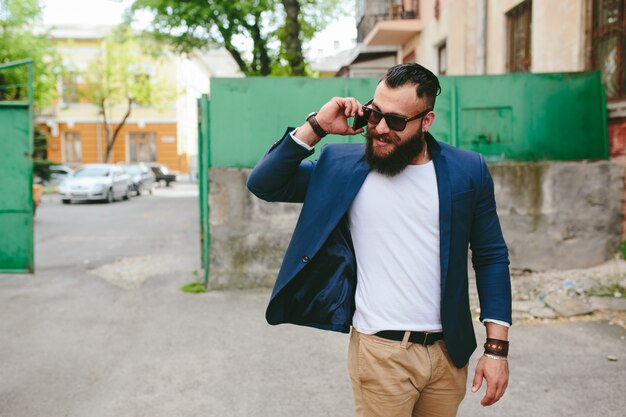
<point>142,147</point>
<point>609,33</point>
<point>519,34</point>
<point>71,147</point>
<point>442,54</point>
<point>409,9</point>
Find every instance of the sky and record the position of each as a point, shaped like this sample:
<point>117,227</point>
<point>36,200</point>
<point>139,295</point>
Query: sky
<point>338,36</point>
<point>105,12</point>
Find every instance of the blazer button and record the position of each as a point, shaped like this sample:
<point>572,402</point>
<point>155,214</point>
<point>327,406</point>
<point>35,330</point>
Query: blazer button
<point>305,259</point>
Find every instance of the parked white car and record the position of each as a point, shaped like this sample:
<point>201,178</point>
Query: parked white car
<point>141,176</point>
<point>104,182</point>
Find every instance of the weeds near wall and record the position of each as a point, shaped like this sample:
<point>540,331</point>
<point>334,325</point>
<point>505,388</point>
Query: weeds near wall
<point>611,290</point>
<point>195,287</point>
<point>622,249</point>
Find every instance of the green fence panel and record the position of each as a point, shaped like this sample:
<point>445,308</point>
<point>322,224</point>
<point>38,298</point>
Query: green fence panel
<point>525,117</point>
<point>16,171</point>
<point>512,117</point>
<point>16,201</point>
<point>516,117</point>
<point>249,114</point>
<point>204,158</point>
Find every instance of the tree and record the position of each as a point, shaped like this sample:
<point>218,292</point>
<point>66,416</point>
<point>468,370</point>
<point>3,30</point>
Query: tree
<point>125,74</point>
<point>41,164</point>
<point>290,37</point>
<point>275,29</point>
<point>17,42</point>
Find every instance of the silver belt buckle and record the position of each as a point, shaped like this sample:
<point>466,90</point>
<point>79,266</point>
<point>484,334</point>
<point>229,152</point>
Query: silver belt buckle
<point>425,338</point>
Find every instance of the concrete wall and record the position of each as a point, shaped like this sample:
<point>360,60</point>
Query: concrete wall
<point>554,216</point>
<point>558,37</point>
<point>560,215</point>
<point>557,42</point>
<point>248,236</point>
<point>425,45</point>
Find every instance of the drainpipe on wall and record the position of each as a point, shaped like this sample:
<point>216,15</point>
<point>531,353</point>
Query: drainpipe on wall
<point>481,36</point>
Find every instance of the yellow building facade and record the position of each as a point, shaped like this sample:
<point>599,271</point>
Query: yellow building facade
<point>75,129</point>
<point>82,143</point>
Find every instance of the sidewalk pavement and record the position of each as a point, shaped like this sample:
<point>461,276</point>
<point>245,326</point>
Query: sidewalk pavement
<point>68,352</point>
<point>108,333</point>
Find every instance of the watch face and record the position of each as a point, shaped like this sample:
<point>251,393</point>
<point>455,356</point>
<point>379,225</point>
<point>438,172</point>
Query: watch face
<point>311,114</point>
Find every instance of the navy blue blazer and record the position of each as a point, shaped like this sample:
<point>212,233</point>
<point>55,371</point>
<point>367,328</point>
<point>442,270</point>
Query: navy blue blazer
<point>317,280</point>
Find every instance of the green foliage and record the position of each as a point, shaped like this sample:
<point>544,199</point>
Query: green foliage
<point>17,42</point>
<point>611,290</point>
<point>126,69</point>
<point>194,288</point>
<point>41,165</point>
<point>196,24</point>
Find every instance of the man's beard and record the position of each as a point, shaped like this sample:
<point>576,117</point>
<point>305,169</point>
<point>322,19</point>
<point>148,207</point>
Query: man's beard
<point>401,156</point>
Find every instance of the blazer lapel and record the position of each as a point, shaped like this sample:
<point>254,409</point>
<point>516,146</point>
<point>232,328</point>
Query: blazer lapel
<point>346,183</point>
<point>445,206</point>
<point>357,177</point>
<point>324,208</point>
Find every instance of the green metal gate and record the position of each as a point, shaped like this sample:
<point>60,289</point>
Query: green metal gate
<point>204,163</point>
<point>511,117</point>
<point>16,174</point>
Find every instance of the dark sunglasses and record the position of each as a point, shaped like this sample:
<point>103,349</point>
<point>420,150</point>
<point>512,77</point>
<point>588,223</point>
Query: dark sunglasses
<point>394,121</point>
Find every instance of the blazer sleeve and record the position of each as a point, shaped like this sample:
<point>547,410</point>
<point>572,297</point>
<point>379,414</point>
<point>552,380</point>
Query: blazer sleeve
<point>282,175</point>
<point>490,256</point>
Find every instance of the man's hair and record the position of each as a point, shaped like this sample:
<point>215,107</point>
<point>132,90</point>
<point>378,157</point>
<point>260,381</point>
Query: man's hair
<point>428,87</point>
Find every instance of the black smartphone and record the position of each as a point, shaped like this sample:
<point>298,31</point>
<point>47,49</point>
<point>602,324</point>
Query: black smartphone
<point>359,121</point>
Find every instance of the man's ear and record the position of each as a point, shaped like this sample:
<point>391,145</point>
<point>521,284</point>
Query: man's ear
<point>428,121</point>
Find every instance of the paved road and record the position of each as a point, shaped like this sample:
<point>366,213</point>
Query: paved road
<point>103,331</point>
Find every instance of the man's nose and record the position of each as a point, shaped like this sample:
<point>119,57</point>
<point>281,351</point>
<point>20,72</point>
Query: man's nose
<point>382,127</point>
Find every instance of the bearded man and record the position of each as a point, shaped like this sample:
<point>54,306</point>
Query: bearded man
<point>380,249</point>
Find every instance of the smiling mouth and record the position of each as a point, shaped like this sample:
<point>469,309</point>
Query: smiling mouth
<point>383,141</point>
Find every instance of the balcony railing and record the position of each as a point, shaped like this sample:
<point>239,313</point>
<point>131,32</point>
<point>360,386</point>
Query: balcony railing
<point>373,11</point>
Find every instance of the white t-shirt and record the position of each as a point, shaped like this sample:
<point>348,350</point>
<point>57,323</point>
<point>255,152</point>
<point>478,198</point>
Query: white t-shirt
<point>431,196</point>
<point>394,223</point>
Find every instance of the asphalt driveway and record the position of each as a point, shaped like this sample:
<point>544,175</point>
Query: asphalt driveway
<point>102,329</point>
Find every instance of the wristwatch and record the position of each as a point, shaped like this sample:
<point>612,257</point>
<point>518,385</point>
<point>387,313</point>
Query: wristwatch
<point>316,126</point>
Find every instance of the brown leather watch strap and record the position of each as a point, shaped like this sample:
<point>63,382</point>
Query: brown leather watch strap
<point>315,125</point>
<point>497,347</point>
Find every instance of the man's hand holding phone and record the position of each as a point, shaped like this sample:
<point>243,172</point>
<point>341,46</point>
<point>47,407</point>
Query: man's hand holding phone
<point>359,121</point>
<point>333,119</point>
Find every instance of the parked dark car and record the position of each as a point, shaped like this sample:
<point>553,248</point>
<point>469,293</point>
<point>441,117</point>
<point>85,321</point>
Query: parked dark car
<point>162,174</point>
<point>141,175</point>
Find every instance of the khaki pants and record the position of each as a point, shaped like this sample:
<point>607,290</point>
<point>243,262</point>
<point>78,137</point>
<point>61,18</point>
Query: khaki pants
<point>401,379</point>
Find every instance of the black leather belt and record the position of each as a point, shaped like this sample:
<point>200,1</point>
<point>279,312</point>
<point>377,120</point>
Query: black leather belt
<point>422,338</point>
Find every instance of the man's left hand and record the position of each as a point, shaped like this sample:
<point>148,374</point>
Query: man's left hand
<point>496,373</point>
